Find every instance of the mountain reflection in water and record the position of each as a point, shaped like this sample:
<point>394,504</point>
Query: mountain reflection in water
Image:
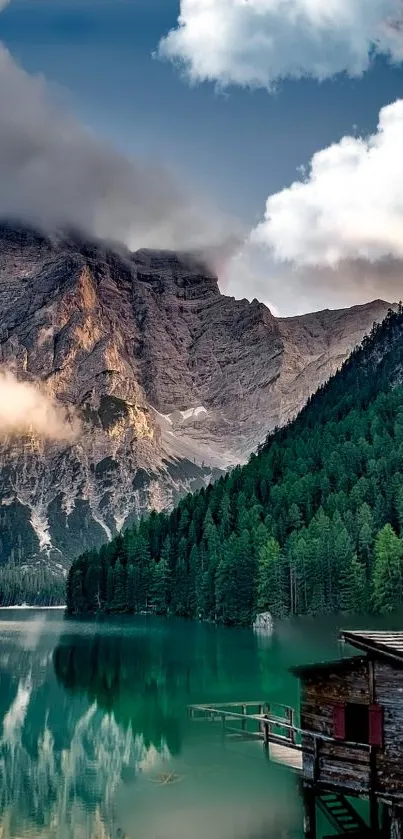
<point>95,738</point>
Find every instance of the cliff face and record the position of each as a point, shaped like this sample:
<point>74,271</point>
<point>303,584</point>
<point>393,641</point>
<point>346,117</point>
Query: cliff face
<point>171,380</point>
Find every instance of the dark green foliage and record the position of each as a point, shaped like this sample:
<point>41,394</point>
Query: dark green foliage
<point>312,524</point>
<point>37,587</point>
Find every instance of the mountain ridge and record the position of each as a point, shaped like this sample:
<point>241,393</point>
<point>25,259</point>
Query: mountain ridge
<point>173,383</point>
<point>312,524</point>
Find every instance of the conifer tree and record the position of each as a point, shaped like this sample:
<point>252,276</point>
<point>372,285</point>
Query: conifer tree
<point>388,570</point>
<point>270,593</point>
<point>119,602</point>
<point>131,594</point>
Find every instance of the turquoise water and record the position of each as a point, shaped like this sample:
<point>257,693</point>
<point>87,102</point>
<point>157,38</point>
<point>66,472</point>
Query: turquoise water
<point>96,740</point>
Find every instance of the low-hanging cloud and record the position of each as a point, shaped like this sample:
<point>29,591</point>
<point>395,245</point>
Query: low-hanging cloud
<point>26,409</point>
<point>257,42</point>
<point>55,173</point>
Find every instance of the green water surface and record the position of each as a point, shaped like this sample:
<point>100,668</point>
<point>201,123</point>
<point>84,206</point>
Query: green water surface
<point>95,736</point>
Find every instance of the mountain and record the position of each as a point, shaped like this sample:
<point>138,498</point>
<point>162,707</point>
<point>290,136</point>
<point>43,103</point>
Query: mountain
<point>312,524</point>
<point>171,381</point>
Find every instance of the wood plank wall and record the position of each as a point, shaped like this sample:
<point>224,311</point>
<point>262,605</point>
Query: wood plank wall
<point>334,763</point>
<point>388,684</point>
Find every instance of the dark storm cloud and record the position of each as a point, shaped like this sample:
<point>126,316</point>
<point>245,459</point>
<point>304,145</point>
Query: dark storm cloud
<point>54,172</point>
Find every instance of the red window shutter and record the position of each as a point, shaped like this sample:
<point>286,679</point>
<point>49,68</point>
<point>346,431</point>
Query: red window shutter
<point>339,721</point>
<point>375,737</point>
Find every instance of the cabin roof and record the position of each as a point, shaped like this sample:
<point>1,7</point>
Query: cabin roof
<point>306,670</point>
<point>384,644</point>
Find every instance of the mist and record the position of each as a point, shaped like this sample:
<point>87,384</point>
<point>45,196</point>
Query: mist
<point>56,173</point>
<point>26,409</point>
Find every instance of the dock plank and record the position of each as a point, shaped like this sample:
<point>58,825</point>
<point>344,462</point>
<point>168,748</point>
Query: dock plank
<point>286,755</point>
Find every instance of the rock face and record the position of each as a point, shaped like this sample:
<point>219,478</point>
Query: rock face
<point>171,380</point>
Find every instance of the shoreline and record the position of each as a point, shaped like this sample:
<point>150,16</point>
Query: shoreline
<point>25,607</point>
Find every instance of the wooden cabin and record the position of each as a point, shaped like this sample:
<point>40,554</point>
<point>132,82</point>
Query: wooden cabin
<point>352,725</point>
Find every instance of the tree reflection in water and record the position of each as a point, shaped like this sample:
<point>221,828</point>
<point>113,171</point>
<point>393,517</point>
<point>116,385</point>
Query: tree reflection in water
<point>128,676</point>
<point>96,741</point>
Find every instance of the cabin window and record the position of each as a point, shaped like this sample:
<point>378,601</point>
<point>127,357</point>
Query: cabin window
<point>357,723</point>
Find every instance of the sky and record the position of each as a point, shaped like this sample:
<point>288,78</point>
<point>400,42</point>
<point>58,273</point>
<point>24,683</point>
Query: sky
<point>270,130</point>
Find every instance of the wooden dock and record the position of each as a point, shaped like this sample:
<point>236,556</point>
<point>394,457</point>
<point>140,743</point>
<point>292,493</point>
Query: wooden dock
<point>272,724</point>
<point>288,756</point>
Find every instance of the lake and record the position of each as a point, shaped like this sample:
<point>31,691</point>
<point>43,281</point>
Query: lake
<point>96,740</point>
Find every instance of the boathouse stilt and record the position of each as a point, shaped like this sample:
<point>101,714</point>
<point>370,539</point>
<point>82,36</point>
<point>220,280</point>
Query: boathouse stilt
<point>309,804</point>
<point>374,813</point>
<point>348,742</point>
<point>396,823</point>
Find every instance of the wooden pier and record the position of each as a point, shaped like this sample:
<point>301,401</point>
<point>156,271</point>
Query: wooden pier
<point>349,744</point>
<point>272,724</point>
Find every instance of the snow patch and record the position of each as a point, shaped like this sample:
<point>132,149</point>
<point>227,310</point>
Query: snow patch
<point>178,416</point>
<point>68,503</point>
<point>5,502</point>
<point>193,412</point>
<point>165,417</point>
<point>40,524</point>
<point>102,524</point>
<point>120,519</point>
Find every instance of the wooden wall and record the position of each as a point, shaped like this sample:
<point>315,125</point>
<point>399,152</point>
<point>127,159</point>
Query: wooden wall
<point>334,764</point>
<point>388,683</point>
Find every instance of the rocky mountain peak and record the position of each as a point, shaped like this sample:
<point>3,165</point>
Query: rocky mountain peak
<point>185,276</point>
<point>170,380</point>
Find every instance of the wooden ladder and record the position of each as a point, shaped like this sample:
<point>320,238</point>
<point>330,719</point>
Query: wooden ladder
<point>342,815</point>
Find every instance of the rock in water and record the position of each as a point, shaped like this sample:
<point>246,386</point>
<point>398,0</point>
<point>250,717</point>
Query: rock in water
<point>263,623</point>
<point>171,381</point>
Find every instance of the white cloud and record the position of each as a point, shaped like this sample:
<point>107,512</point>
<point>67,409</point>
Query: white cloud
<point>26,409</point>
<point>334,237</point>
<point>349,206</point>
<point>257,42</point>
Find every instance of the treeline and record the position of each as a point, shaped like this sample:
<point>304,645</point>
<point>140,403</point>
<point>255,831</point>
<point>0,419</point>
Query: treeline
<point>34,587</point>
<point>312,524</point>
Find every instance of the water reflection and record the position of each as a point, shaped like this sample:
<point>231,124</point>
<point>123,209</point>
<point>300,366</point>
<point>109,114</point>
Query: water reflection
<point>131,676</point>
<point>95,739</point>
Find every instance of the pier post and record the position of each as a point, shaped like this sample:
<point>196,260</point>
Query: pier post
<point>266,732</point>
<point>309,804</point>
<point>291,722</point>
<point>385,821</point>
<point>374,815</point>
<point>244,717</point>
<point>396,823</point>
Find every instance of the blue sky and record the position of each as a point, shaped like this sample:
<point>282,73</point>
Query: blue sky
<point>238,146</point>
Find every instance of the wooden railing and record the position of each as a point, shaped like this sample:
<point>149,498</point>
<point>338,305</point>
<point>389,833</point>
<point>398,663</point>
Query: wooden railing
<point>271,722</point>
<point>275,724</point>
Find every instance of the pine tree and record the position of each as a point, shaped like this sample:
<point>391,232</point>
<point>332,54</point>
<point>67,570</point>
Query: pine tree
<point>180,587</point>
<point>161,586</point>
<point>270,589</point>
<point>92,587</point>
<point>110,588</point>
<point>119,602</point>
<point>353,587</point>
<point>131,594</point>
<point>77,592</point>
<point>388,570</point>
